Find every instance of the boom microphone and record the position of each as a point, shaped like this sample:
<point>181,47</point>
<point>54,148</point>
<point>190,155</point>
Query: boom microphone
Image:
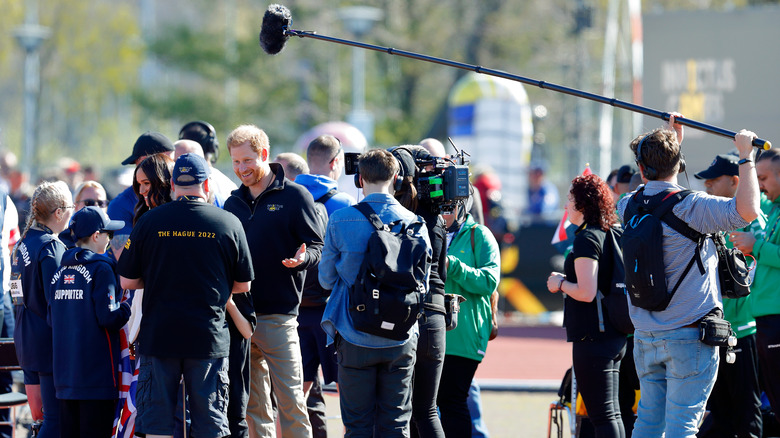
<point>273,37</point>
<point>276,31</point>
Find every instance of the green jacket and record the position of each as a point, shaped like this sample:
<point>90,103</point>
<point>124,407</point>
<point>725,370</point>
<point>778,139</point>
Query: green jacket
<point>474,275</point>
<point>764,297</point>
<point>738,311</point>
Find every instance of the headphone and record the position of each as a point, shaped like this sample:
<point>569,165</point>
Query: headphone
<point>397,181</point>
<point>208,141</point>
<point>398,178</point>
<point>651,173</point>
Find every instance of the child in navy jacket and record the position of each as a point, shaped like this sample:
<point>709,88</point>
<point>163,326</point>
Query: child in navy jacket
<point>86,318</point>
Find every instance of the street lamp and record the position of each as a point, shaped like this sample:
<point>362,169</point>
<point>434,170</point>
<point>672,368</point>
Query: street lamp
<point>29,36</point>
<point>359,20</point>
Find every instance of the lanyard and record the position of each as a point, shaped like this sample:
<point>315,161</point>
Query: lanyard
<point>44,228</point>
<point>189,198</point>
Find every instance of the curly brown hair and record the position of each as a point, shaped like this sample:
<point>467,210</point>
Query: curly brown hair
<point>593,198</point>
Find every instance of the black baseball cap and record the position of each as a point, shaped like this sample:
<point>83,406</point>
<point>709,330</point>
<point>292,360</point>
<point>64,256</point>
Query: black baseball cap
<point>149,143</point>
<point>725,164</point>
<point>625,173</point>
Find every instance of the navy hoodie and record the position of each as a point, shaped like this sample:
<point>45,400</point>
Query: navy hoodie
<point>36,259</point>
<point>86,318</point>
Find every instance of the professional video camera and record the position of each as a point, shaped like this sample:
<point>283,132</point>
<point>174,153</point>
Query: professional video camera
<point>440,181</point>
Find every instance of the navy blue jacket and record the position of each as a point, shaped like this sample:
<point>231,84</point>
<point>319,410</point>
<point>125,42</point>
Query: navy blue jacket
<point>85,319</point>
<point>276,223</point>
<point>36,260</point>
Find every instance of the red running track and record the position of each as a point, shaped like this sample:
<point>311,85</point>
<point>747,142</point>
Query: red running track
<point>527,353</point>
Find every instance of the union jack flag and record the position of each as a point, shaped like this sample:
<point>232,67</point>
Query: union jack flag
<point>69,279</point>
<point>124,420</point>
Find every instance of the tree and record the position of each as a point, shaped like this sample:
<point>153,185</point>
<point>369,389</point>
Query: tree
<point>88,67</point>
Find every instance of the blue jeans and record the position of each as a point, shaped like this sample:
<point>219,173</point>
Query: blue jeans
<point>676,375</point>
<point>375,386</point>
<point>478,427</point>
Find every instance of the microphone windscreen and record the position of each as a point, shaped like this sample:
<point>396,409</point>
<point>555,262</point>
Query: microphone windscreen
<point>275,20</point>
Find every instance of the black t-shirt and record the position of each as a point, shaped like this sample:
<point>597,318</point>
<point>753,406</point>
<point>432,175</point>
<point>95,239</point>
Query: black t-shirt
<point>581,319</point>
<point>188,254</point>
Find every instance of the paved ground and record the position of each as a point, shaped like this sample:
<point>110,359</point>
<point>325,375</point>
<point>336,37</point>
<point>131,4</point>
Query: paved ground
<point>507,414</point>
<point>521,356</point>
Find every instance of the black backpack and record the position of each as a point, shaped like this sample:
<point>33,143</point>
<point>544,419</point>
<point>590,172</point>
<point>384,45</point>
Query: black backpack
<point>389,291</point>
<point>643,251</point>
<point>615,300</point>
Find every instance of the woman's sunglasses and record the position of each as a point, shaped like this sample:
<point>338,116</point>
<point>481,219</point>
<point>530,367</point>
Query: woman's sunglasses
<point>95,202</point>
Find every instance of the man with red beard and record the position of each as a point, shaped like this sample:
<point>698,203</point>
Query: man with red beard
<point>284,235</point>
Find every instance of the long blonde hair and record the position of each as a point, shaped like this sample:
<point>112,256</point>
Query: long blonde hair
<point>47,198</point>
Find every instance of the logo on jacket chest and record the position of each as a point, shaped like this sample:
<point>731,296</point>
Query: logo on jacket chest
<point>274,207</point>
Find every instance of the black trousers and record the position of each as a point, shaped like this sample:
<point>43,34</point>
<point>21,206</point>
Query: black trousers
<point>597,372</point>
<point>427,374</point>
<point>456,376</point>
<point>629,384</point>
<point>87,418</point>
<point>768,344</point>
<point>315,407</point>
<point>735,402</point>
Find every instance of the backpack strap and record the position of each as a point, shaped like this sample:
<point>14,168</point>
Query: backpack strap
<point>326,197</point>
<point>372,217</point>
<point>664,213</point>
<point>617,257</point>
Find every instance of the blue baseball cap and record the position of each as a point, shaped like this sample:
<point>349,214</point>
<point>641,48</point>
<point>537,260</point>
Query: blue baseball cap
<point>90,219</point>
<point>190,169</point>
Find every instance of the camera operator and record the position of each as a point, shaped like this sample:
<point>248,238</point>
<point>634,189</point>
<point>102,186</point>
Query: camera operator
<point>430,345</point>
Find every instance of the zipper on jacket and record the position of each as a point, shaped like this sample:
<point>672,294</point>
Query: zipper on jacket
<point>256,201</point>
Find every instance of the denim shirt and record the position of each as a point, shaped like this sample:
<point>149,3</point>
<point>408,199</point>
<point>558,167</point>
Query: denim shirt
<point>345,246</point>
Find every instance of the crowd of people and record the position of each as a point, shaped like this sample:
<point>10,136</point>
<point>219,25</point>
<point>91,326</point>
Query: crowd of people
<point>192,306</point>
<point>679,374</point>
<point>188,305</point>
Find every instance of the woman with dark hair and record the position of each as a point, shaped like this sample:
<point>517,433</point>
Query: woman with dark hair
<point>596,351</point>
<point>152,183</point>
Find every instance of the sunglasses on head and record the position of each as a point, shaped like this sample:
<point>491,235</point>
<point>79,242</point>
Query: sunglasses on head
<point>95,202</point>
